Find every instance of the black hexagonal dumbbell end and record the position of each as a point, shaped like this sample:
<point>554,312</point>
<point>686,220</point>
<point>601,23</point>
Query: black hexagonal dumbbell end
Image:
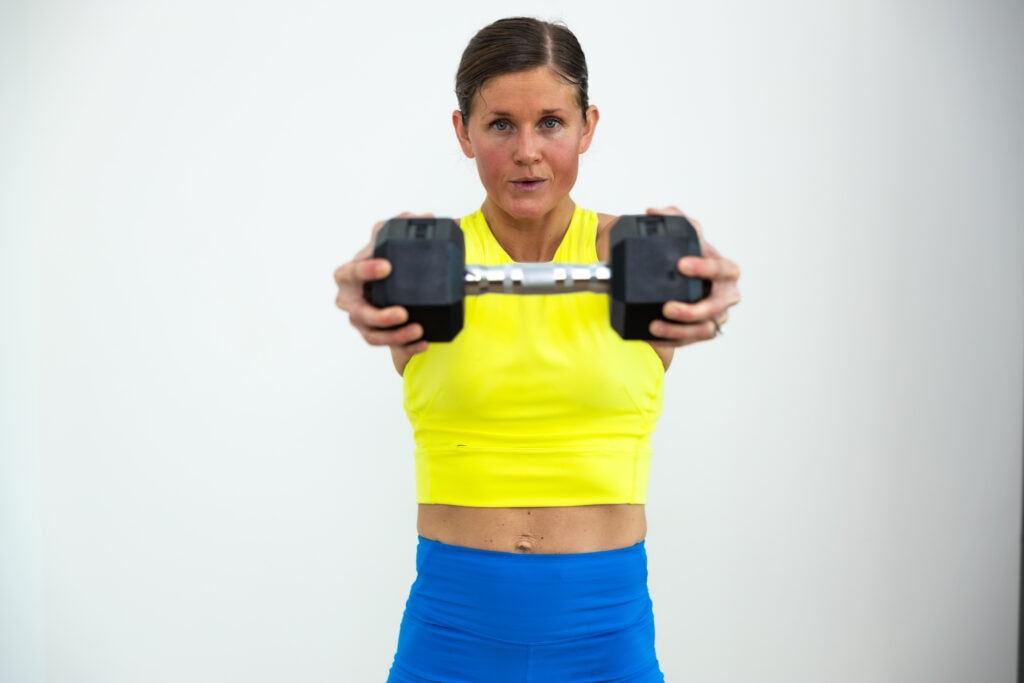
<point>428,257</point>
<point>645,252</point>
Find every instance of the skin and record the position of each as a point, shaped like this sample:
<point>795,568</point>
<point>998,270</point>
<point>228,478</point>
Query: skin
<point>526,132</point>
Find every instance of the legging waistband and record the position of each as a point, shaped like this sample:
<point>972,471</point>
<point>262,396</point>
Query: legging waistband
<point>520,597</point>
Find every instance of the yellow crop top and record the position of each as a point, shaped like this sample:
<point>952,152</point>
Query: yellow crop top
<point>537,402</point>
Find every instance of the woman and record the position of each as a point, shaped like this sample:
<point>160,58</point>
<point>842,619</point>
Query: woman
<point>533,426</point>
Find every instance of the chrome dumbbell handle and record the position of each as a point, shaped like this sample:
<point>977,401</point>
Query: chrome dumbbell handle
<point>538,278</point>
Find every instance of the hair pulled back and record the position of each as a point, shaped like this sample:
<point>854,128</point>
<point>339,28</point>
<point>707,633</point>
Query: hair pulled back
<point>519,44</point>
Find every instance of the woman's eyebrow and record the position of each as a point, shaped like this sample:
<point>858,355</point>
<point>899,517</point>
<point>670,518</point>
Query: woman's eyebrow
<point>543,112</point>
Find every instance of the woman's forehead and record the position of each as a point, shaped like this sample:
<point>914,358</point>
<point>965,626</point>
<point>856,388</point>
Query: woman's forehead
<point>536,91</point>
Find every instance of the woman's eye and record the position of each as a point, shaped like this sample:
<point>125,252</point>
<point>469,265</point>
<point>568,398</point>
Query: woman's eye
<point>551,123</point>
<point>500,125</point>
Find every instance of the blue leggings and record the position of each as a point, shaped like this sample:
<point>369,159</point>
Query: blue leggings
<point>479,616</point>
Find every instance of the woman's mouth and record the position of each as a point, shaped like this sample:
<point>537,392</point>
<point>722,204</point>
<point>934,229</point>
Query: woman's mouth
<point>527,184</point>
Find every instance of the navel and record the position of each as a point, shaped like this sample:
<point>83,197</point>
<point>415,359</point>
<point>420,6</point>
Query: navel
<point>527,543</point>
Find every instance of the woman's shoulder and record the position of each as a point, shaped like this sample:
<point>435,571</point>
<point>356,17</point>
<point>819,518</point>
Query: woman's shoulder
<point>604,224</point>
<point>604,221</point>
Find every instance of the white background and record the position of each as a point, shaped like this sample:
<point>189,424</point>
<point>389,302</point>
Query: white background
<point>206,476</point>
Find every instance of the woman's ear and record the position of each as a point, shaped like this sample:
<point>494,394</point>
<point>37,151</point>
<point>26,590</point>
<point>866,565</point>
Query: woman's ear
<point>462,134</point>
<point>591,115</point>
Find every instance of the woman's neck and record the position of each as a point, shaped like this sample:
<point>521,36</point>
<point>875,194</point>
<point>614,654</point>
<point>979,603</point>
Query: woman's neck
<point>532,239</point>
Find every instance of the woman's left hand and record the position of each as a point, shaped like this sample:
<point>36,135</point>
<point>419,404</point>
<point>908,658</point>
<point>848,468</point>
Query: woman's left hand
<point>690,323</point>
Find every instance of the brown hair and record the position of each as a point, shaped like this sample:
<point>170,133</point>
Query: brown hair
<point>519,44</point>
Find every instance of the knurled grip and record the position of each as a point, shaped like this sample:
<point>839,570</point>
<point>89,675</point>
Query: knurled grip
<point>538,278</point>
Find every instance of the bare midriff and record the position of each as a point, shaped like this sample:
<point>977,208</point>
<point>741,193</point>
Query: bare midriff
<point>551,530</point>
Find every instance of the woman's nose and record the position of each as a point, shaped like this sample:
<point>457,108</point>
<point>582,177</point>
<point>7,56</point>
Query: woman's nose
<point>527,147</point>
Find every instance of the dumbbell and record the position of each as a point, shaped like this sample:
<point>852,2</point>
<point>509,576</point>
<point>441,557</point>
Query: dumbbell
<point>430,278</point>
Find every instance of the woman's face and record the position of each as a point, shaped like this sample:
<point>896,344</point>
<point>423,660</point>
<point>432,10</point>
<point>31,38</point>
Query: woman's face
<point>526,132</point>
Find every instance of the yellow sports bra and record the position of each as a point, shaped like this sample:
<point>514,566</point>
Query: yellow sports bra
<point>537,402</point>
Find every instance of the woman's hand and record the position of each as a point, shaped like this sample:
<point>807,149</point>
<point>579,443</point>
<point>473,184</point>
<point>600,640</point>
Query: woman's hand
<point>703,320</point>
<point>378,326</point>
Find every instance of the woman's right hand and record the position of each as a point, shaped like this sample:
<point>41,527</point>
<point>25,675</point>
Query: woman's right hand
<point>378,326</point>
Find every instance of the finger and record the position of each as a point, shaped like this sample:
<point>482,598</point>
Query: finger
<point>683,334</point>
<point>380,326</point>
<point>384,326</point>
<point>700,312</point>
<point>417,347</point>
<point>363,316</point>
<point>709,268</point>
<point>400,336</point>
<point>358,272</point>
